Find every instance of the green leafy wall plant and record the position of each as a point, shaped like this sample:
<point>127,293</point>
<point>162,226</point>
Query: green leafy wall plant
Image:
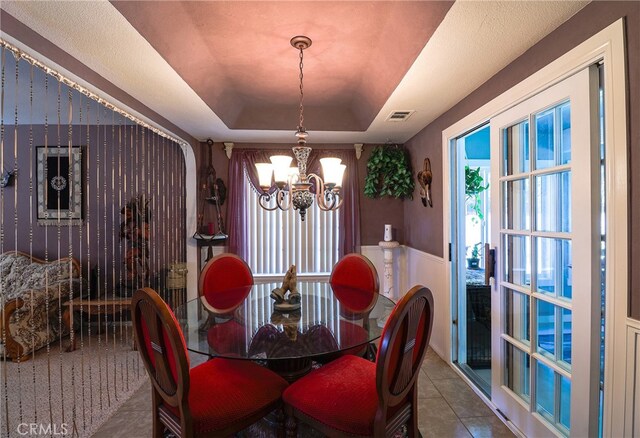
<point>473,187</point>
<point>389,173</point>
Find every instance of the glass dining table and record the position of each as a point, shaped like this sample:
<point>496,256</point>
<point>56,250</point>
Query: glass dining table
<point>331,321</point>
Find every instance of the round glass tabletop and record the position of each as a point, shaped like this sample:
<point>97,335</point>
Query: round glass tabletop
<point>331,319</point>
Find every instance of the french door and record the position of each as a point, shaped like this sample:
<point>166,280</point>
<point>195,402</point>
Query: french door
<point>546,293</point>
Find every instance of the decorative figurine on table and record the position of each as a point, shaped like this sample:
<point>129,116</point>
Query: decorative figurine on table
<point>284,303</point>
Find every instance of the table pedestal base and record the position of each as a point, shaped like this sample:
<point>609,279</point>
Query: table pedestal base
<point>290,369</point>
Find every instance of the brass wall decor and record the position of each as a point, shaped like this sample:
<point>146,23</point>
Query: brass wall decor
<point>424,179</point>
<point>290,285</point>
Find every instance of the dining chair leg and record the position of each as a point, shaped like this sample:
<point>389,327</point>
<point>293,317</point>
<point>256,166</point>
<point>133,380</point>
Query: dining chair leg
<point>412,423</point>
<point>291,426</point>
<point>158,427</point>
<point>372,352</point>
<point>280,422</point>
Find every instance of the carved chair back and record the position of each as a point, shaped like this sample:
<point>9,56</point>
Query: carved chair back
<point>163,350</point>
<point>403,347</point>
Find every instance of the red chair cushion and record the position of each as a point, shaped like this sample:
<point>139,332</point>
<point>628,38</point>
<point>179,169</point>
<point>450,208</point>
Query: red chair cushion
<point>224,392</point>
<point>169,351</point>
<point>341,394</point>
<point>226,282</point>
<point>227,338</point>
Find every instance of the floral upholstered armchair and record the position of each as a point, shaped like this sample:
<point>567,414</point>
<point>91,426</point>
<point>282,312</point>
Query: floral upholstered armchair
<point>31,291</point>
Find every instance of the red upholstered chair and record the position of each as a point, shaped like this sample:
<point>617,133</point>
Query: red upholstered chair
<point>218,398</point>
<point>355,284</point>
<point>354,397</point>
<point>357,272</point>
<point>225,281</point>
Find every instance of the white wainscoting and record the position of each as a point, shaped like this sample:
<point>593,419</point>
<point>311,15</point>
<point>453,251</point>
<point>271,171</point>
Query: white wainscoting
<point>632,396</point>
<point>414,267</point>
<point>428,270</point>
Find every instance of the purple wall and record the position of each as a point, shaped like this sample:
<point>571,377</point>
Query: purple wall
<point>375,213</point>
<point>425,233</point>
<point>119,162</point>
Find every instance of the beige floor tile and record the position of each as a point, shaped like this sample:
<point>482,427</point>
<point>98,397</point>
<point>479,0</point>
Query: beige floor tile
<point>487,427</point>
<point>437,369</point>
<point>140,400</point>
<point>129,424</point>
<point>464,402</point>
<point>444,429</point>
<point>425,387</point>
<point>434,409</point>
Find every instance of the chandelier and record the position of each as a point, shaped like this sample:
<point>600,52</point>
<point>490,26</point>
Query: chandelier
<point>293,186</point>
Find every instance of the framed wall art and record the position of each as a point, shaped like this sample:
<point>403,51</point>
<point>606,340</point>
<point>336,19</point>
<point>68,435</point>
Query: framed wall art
<point>60,176</point>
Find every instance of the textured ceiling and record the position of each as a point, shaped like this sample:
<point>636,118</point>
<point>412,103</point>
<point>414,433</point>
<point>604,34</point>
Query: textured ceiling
<point>236,55</point>
<point>225,69</point>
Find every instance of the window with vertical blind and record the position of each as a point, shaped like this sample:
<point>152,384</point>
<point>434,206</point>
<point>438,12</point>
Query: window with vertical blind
<point>278,239</point>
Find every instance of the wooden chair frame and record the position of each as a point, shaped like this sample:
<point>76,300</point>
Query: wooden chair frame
<point>399,391</point>
<point>147,305</point>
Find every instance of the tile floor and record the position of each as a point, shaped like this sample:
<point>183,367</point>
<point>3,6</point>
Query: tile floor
<point>447,407</point>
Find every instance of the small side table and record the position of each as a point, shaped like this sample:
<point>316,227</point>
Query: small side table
<point>100,307</point>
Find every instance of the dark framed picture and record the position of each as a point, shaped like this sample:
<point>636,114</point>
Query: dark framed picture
<point>60,176</point>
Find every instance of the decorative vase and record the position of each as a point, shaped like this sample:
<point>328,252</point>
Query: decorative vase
<point>387,233</point>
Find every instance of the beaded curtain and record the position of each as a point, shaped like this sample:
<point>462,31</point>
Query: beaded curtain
<point>88,184</point>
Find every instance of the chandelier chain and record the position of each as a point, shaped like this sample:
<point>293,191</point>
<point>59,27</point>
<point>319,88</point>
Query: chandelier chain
<point>301,126</point>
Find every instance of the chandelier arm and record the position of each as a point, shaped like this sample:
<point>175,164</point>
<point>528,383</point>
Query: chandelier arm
<point>264,199</point>
<point>337,196</point>
<point>280,197</point>
<point>322,193</point>
<point>333,206</point>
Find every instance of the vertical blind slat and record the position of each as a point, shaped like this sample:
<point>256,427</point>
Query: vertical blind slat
<point>278,239</point>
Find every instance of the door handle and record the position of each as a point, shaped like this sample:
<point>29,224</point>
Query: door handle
<point>489,263</point>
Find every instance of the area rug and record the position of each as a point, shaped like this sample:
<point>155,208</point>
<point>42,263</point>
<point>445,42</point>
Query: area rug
<point>61,393</point>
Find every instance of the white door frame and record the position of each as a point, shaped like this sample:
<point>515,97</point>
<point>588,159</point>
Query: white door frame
<point>608,46</point>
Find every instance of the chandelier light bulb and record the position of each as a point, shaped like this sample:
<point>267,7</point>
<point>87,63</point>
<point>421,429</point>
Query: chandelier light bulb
<point>281,165</point>
<point>340,175</point>
<point>330,169</point>
<point>265,172</point>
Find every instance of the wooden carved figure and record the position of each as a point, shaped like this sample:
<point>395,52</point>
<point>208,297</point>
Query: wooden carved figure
<point>290,286</point>
<point>134,229</point>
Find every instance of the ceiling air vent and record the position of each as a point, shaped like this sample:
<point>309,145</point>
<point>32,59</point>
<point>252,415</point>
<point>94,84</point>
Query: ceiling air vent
<point>399,116</point>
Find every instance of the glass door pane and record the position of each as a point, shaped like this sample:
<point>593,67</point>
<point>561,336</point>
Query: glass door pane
<point>540,377</point>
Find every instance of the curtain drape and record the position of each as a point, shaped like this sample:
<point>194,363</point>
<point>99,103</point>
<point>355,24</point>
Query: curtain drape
<point>242,170</point>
